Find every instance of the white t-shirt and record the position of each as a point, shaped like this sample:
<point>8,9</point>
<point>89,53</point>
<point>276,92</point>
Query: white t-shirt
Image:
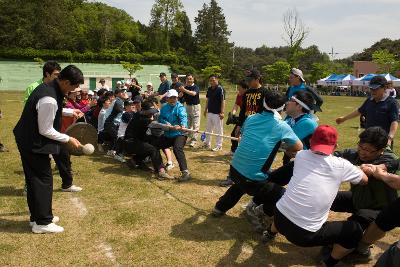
<point>314,185</point>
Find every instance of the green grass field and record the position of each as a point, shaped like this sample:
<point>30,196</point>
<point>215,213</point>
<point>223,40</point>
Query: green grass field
<point>127,218</point>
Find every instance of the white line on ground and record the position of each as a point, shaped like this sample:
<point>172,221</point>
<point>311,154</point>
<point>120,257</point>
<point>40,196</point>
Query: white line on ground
<point>108,252</point>
<point>80,206</point>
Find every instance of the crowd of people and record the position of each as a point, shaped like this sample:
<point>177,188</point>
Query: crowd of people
<point>137,125</point>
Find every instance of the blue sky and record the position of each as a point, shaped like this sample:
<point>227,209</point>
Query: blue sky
<point>347,26</point>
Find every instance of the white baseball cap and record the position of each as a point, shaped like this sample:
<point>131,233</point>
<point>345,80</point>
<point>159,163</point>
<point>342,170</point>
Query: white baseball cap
<point>298,73</point>
<point>172,93</point>
<point>90,92</point>
<point>149,83</point>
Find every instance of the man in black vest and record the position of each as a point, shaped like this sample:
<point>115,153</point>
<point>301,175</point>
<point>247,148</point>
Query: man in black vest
<point>37,136</point>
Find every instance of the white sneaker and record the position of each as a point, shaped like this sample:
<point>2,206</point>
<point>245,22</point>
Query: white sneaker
<point>192,143</point>
<point>72,188</point>
<point>169,166</point>
<point>217,148</point>
<point>56,219</point>
<point>111,153</point>
<point>46,229</point>
<point>120,158</point>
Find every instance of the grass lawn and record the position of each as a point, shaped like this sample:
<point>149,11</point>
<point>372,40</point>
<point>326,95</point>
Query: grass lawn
<point>127,218</point>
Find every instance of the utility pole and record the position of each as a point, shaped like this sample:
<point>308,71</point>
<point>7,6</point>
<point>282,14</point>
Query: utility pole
<point>333,54</point>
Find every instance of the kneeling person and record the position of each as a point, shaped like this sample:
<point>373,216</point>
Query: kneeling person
<point>302,212</point>
<point>139,143</point>
<point>262,134</point>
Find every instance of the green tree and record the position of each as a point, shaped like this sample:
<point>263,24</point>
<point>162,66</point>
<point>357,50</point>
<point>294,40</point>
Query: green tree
<point>181,35</point>
<point>386,61</point>
<point>318,71</point>
<point>131,67</point>
<point>163,20</point>
<point>211,37</point>
<point>277,73</point>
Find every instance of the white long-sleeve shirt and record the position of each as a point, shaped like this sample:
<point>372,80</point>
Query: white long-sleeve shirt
<point>47,109</point>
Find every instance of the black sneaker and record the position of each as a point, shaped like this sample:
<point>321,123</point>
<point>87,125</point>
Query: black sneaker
<point>268,235</point>
<point>227,182</point>
<point>184,177</point>
<point>217,213</point>
<point>358,256</point>
<point>131,163</point>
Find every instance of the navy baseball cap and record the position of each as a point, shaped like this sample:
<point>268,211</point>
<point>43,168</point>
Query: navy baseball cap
<point>377,82</point>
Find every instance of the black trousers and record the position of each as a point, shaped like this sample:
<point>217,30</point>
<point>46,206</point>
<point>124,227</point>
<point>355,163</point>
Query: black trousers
<point>273,189</point>
<point>177,143</point>
<point>142,150</point>
<point>234,143</point>
<point>344,203</point>
<point>112,132</point>
<point>241,186</point>
<point>389,217</point>
<point>269,195</point>
<point>345,233</point>
<point>63,162</point>
<point>39,186</point>
<point>119,146</point>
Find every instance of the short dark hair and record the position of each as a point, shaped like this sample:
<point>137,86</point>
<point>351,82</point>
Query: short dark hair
<point>72,74</point>
<point>375,136</point>
<point>213,76</point>
<point>108,94</point>
<point>306,98</point>
<point>49,67</point>
<point>243,84</point>
<point>152,99</point>
<point>101,92</point>
<point>274,99</point>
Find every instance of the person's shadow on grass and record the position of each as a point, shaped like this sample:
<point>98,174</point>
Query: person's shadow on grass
<point>247,249</point>
<point>11,226</point>
<point>11,191</point>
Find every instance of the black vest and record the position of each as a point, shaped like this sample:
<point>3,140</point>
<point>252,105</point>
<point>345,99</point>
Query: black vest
<point>26,131</point>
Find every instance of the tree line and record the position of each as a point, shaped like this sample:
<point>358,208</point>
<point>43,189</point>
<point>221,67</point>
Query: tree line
<point>83,31</point>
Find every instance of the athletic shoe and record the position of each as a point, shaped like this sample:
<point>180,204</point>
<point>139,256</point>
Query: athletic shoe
<point>100,148</point>
<point>268,236</point>
<point>120,158</point>
<point>358,256</point>
<point>164,176</point>
<point>256,218</point>
<point>145,168</point>
<point>111,153</point>
<point>131,164</point>
<point>227,182</point>
<point>217,148</point>
<point>46,229</point>
<point>192,143</point>
<point>169,166</point>
<point>217,213</point>
<point>56,219</point>
<point>185,176</point>
<point>72,188</point>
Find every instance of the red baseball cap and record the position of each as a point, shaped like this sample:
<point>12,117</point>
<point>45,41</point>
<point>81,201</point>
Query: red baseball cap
<point>324,139</point>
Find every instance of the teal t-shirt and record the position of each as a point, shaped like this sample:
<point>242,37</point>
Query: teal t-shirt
<point>261,134</point>
<point>303,126</point>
